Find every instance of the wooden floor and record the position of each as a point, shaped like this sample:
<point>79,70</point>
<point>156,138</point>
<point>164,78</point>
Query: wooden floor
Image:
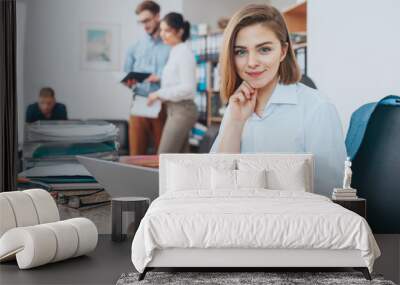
<point>102,266</point>
<point>388,264</point>
<point>111,259</point>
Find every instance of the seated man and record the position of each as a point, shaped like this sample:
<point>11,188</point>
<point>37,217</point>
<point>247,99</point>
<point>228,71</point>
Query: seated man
<point>46,108</point>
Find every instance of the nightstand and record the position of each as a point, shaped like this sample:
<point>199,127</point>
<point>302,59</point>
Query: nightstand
<point>122,206</point>
<point>358,205</point>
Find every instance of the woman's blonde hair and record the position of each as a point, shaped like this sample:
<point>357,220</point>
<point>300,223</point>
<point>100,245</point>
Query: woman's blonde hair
<point>289,71</point>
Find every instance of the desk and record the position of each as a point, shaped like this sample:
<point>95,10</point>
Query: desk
<point>141,160</point>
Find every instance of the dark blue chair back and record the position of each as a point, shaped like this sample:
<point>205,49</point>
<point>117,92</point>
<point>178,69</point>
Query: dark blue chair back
<point>376,169</point>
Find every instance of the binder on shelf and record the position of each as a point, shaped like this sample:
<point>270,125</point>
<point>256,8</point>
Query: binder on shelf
<point>206,49</point>
<point>201,101</point>
<point>201,77</point>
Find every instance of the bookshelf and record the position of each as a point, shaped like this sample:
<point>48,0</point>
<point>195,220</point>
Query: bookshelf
<point>206,50</point>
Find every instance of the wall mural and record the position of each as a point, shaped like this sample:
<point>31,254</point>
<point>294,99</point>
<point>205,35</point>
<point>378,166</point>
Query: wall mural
<point>100,46</point>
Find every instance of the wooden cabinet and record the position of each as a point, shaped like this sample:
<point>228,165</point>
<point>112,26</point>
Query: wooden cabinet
<point>358,206</point>
<point>296,17</point>
<point>296,20</point>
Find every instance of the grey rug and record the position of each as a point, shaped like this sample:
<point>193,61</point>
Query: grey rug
<point>229,278</point>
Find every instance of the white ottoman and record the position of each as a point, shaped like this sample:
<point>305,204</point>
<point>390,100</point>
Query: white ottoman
<point>31,232</point>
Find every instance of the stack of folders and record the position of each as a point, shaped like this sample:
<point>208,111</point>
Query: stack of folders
<point>50,149</point>
<point>58,142</point>
<point>344,194</point>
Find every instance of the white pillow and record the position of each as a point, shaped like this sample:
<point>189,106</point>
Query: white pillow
<point>193,175</point>
<point>182,177</point>
<point>293,178</point>
<point>226,179</point>
<point>223,179</point>
<point>281,174</point>
<point>251,178</point>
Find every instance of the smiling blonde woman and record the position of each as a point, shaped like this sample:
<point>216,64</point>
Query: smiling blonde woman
<point>268,110</point>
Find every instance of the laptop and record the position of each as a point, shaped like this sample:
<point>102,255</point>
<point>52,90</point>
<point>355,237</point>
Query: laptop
<point>123,180</point>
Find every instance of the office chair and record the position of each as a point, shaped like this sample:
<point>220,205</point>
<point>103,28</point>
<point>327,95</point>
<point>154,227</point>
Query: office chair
<point>209,138</point>
<point>308,81</point>
<point>376,169</point>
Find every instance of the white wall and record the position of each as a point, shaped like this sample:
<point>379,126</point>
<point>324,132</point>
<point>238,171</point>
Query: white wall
<point>52,50</point>
<point>354,51</point>
<point>52,54</point>
<point>282,4</point>
<point>210,11</point>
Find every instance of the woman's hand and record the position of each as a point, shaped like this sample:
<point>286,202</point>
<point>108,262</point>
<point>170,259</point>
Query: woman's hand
<point>152,98</point>
<point>242,103</point>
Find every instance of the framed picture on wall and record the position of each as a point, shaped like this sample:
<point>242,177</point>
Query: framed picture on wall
<point>100,44</point>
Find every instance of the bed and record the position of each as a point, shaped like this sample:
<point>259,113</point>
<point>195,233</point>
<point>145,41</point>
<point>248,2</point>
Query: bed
<point>246,211</point>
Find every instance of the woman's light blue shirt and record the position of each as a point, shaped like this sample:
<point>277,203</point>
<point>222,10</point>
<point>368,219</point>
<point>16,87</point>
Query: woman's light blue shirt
<point>298,119</point>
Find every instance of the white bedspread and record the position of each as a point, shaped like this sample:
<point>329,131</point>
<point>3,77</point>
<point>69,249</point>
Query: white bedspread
<point>250,219</point>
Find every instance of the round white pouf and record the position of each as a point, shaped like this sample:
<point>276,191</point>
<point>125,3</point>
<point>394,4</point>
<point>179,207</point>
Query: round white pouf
<point>31,232</point>
<point>45,205</point>
<point>40,244</point>
<point>33,246</point>
<point>6,216</point>
<point>23,208</point>
<point>87,234</point>
<point>67,240</point>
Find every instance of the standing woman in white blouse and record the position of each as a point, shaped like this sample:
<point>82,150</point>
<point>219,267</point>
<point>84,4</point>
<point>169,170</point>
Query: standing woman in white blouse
<point>178,85</point>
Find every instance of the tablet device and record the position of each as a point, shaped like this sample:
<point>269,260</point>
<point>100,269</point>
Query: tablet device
<point>138,76</point>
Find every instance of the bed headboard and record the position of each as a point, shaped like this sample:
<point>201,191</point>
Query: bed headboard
<point>210,158</point>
